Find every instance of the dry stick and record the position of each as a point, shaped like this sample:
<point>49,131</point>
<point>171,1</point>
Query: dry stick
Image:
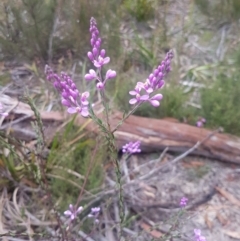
<point>112,191</point>
<point>181,156</point>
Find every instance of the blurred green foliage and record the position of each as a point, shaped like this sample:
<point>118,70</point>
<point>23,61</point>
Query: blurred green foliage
<point>25,27</point>
<point>66,160</point>
<point>172,104</point>
<point>41,29</point>
<point>220,103</point>
<point>224,10</point>
<point>142,10</point>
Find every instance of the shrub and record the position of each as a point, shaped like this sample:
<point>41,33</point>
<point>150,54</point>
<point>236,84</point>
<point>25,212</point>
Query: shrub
<point>142,10</point>
<point>220,9</point>
<point>220,103</point>
<point>45,29</point>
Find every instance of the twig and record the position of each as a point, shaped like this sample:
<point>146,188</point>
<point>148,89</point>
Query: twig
<point>179,157</point>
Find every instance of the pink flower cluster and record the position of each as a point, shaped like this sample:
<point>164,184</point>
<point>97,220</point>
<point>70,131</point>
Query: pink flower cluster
<point>143,91</point>
<point>131,147</point>
<point>98,58</point>
<point>201,122</point>
<point>72,212</point>
<point>198,236</point>
<point>94,214</point>
<point>75,101</point>
<point>183,202</point>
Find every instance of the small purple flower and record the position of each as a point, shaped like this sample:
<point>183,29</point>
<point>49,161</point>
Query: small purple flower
<point>183,202</point>
<point>201,121</point>
<point>2,113</point>
<point>198,236</point>
<point>72,213</point>
<point>101,61</point>
<point>199,124</point>
<point>155,100</point>
<point>131,147</point>
<point>110,74</point>
<point>138,97</point>
<point>91,75</point>
<point>94,214</point>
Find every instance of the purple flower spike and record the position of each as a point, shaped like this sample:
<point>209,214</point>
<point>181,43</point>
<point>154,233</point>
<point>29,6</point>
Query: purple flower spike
<point>72,213</point>
<point>71,97</point>
<point>97,56</point>
<point>154,82</point>
<point>198,236</point>
<point>94,214</point>
<point>183,202</point>
<point>131,147</point>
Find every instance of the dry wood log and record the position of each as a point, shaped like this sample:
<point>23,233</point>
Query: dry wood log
<point>154,134</point>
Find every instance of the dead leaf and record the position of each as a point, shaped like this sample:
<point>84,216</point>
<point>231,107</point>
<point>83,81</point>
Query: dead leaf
<point>146,192</point>
<point>221,219</point>
<point>228,196</point>
<point>150,230</point>
<point>232,234</point>
<point>208,222</point>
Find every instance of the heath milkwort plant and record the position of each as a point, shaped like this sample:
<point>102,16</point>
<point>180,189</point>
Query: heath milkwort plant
<point>77,102</point>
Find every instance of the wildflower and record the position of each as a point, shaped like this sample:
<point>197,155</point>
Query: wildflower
<point>201,121</point>
<point>93,75</point>
<point>72,213</point>
<point>131,147</point>
<point>1,110</point>
<point>198,236</point>
<point>183,202</point>
<point>101,61</point>
<point>71,97</point>
<point>154,82</point>
<point>94,214</point>
<point>155,100</point>
<point>98,58</point>
<point>138,98</point>
<point>110,74</point>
